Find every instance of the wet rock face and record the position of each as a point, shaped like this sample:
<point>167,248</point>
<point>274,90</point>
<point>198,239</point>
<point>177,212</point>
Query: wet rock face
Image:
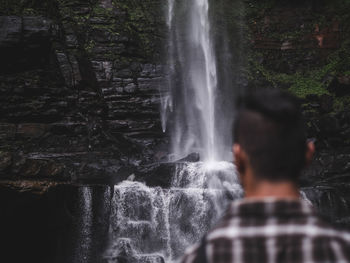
<point>79,90</point>
<point>11,31</point>
<point>23,41</point>
<point>331,201</point>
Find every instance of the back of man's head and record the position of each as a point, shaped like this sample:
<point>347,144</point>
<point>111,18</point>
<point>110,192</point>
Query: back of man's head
<point>269,127</point>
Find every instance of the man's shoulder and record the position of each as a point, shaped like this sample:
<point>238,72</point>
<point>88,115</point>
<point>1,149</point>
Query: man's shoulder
<point>269,228</point>
<point>269,218</point>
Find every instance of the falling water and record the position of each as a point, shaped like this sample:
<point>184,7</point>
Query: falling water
<point>90,220</point>
<point>151,224</point>
<point>83,247</point>
<point>192,103</point>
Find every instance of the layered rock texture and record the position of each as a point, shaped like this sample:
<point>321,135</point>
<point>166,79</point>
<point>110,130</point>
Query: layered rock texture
<point>79,91</point>
<point>79,88</point>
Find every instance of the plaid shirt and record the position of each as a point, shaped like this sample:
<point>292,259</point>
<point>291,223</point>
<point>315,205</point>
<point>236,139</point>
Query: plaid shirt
<point>271,230</point>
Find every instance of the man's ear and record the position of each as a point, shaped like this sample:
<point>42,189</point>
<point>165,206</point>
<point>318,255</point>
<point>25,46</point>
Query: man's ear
<point>310,150</point>
<point>239,158</point>
<point>236,148</point>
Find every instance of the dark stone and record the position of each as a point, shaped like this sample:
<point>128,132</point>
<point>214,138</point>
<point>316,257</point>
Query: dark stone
<point>326,103</point>
<point>130,88</point>
<point>5,161</point>
<point>47,217</point>
<point>69,69</point>
<point>150,85</point>
<point>31,130</point>
<point>10,31</point>
<point>124,73</point>
<point>192,157</point>
<point>340,86</point>
<point>329,124</point>
<point>158,174</point>
<point>331,201</point>
<point>106,172</point>
<point>7,131</point>
<point>39,168</point>
<point>106,3</point>
<point>312,98</point>
<point>23,41</point>
<point>36,30</point>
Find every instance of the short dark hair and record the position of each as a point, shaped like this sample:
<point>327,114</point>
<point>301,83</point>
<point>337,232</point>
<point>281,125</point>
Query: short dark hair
<point>270,128</point>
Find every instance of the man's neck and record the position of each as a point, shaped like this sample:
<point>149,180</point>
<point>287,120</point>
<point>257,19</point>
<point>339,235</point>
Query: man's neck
<point>280,190</point>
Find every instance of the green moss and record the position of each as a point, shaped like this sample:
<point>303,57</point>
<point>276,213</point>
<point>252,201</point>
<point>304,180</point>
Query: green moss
<point>307,81</point>
<point>300,84</point>
<point>302,87</point>
<point>309,78</point>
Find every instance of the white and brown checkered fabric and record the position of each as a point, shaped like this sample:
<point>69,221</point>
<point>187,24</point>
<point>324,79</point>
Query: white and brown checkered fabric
<point>272,231</point>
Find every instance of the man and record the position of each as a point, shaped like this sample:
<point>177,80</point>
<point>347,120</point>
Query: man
<point>271,223</point>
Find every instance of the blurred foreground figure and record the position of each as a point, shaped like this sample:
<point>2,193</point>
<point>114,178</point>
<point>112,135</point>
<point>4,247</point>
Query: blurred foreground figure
<point>271,224</point>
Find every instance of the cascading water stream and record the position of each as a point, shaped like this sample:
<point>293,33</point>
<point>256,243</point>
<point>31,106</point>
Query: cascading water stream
<point>192,103</point>
<point>151,224</point>
<point>83,249</point>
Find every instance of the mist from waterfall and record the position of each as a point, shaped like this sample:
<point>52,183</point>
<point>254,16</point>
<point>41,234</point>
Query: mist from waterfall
<point>191,106</point>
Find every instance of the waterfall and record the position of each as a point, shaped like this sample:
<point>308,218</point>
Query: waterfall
<point>191,103</point>
<point>154,225</point>
<point>83,246</point>
<point>88,234</point>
